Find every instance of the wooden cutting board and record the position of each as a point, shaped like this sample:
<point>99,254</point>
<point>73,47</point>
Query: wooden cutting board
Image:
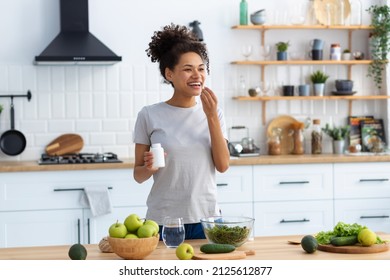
<point>65,144</point>
<point>355,249</point>
<point>235,255</point>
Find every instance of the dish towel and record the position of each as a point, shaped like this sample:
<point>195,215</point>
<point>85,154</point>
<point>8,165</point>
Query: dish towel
<point>98,199</point>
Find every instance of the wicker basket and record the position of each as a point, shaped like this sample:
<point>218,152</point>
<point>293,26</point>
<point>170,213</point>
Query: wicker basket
<point>133,248</point>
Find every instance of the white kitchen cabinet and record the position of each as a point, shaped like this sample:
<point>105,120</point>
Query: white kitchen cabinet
<point>362,194</point>
<point>293,182</point>
<point>362,180</point>
<point>293,199</point>
<point>373,213</point>
<point>235,185</point>
<point>51,200</point>
<point>293,217</point>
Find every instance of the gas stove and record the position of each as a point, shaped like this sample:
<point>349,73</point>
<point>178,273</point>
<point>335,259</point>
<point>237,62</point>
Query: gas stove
<point>80,158</point>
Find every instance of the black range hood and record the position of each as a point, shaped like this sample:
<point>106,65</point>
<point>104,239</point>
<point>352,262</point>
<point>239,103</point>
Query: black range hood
<point>75,44</point>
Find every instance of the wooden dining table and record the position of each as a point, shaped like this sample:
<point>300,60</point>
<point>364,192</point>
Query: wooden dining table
<point>262,248</point>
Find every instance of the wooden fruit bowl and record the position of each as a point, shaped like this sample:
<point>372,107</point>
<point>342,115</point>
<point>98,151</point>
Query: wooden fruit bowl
<point>133,248</point>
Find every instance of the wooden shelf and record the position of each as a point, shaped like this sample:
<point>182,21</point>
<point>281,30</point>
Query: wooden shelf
<point>302,62</point>
<point>330,27</point>
<point>349,98</point>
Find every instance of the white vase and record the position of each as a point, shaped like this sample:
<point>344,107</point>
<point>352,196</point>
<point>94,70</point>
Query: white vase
<point>338,146</point>
<point>318,89</point>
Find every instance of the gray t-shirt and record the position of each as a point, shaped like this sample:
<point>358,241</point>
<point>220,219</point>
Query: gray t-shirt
<point>186,186</point>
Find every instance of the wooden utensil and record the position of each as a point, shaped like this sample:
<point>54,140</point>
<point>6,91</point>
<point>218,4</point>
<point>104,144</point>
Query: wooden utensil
<point>235,255</point>
<point>65,144</point>
<point>355,249</point>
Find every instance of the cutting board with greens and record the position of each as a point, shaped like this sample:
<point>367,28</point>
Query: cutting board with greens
<point>350,239</point>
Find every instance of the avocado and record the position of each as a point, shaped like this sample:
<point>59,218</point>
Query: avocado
<point>77,252</point>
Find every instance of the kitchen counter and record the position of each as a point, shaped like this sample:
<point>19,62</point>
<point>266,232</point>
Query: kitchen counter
<point>266,248</point>
<point>21,166</point>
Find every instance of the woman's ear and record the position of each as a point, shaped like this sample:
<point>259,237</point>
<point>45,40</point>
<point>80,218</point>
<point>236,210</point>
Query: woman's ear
<point>168,74</point>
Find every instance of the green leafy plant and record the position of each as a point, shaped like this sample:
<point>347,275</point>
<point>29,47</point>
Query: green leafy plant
<point>1,108</point>
<point>346,51</point>
<point>380,42</point>
<point>282,46</point>
<point>336,133</point>
<point>318,77</point>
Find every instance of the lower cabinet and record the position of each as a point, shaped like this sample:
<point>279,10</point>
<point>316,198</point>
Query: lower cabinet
<point>373,213</point>
<point>293,217</point>
<point>44,208</point>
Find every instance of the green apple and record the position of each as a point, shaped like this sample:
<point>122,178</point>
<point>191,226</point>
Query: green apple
<point>117,230</point>
<point>133,222</point>
<point>184,251</point>
<point>146,231</point>
<point>131,235</point>
<point>152,223</point>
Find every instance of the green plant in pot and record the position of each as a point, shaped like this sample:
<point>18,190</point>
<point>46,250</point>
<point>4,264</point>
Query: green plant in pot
<point>318,78</point>
<point>347,55</point>
<point>281,50</point>
<point>379,42</point>
<point>338,135</point>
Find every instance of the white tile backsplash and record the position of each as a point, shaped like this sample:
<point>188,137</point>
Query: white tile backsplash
<point>101,103</point>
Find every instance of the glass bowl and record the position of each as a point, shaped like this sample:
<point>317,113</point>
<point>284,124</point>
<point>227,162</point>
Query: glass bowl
<point>227,229</point>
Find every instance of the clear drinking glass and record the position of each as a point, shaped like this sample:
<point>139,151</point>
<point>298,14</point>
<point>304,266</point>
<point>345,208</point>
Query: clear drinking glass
<point>173,232</point>
<point>265,51</point>
<point>246,51</point>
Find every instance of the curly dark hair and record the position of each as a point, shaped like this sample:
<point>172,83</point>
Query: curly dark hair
<point>170,43</point>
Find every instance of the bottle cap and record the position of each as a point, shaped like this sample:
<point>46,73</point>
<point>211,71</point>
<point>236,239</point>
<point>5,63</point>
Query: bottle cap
<point>156,145</point>
<point>316,121</point>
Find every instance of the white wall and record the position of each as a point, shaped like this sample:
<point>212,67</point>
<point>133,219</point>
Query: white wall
<point>101,102</point>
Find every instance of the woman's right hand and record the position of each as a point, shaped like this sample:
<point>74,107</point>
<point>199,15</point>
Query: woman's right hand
<point>149,160</point>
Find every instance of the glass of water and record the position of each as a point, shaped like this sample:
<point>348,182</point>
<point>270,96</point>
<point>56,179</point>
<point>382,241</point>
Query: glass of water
<point>173,232</point>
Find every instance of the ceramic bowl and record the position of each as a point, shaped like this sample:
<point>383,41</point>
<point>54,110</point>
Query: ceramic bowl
<point>227,229</point>
<point>344,85</point>
<point>258,18</point>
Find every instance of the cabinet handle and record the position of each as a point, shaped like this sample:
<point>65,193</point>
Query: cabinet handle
<point>294,221</point>
<point>375,217</point>
<point>89,232</point>
<point>74,189</point>
<point>374,180</point>
<point>294,182</point>
<point>222,185</point>
<point>78,231</point>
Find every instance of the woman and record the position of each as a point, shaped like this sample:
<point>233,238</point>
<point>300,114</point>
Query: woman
<point>192,133</point>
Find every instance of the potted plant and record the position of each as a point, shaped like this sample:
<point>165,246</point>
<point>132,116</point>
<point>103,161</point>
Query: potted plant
<point>347,55</point>
<point>281,50</point>
<point>318,78</point>
<point>338,135</point>
<point>379,42</point>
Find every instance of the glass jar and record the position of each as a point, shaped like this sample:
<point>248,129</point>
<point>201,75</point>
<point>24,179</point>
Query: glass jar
<point>298,139</point>
<point>274,142</point>
<point>316,138</point>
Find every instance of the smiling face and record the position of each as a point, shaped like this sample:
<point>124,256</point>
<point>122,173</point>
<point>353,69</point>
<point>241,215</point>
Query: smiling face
<point>188,76</point>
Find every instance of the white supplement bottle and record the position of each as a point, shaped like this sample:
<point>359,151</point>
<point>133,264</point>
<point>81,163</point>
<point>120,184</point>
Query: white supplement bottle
<point>158,155</point>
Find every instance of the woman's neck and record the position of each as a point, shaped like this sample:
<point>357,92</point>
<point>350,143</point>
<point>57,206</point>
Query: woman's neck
<point>181,102</point>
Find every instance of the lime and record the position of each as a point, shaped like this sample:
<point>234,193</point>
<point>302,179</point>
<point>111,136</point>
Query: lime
<point>367,237</point>
<point>309,244</point>
<point>77,252</point>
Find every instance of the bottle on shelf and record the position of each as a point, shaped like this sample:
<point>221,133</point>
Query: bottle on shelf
<point>244,12</point>
<point>298,138</point>
<point>316,138</point>
<point>242,86</point>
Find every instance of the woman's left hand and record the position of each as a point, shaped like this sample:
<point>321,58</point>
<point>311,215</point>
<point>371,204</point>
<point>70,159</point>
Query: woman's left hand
<point>209,102</point>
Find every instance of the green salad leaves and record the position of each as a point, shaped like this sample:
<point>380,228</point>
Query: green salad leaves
<point>341,229</point>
